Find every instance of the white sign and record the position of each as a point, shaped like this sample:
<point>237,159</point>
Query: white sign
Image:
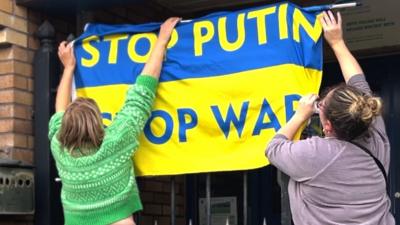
<point>222,209</point>
<point>375,24</point>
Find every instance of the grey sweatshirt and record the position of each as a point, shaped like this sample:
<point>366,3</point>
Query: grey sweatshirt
<point>333,181</point>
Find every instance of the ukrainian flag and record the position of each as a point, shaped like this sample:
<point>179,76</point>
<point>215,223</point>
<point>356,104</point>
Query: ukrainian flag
<point>229,82</point>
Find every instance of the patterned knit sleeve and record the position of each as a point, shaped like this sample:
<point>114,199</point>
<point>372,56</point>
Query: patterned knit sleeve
<point>55,124</point>
<point>131,119</point>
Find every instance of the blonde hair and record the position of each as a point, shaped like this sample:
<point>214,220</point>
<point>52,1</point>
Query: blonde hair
<point>81,127</point>
<point>350,111</point>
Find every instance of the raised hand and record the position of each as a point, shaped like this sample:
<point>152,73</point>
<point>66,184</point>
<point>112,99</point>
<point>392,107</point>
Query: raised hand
<point>332,28</point>
<point>154,64</point>
<point>66,55</point>
<point>305,108</point>
<point>166,29</point>
<point>334,36</point>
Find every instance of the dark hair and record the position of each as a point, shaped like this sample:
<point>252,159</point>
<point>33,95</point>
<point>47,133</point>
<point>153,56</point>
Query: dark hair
<point>81,126</point>
<point>350,111</point>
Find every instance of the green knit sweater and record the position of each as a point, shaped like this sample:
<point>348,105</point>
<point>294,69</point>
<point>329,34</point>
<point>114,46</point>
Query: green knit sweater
<point>100,188</point>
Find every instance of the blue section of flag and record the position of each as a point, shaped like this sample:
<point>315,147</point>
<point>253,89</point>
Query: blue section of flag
<point>181,62</point>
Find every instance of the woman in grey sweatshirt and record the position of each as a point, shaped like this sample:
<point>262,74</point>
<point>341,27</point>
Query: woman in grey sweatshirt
<point>332,180</point>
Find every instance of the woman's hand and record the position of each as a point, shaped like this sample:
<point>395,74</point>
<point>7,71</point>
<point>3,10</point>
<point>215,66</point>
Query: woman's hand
<point>166,29</point>
<point>66,55</point>
<point>305,108</point>
<point>333,32</point>
<point>303,113</point>
<point>154,64</point>
<point>334,36</point>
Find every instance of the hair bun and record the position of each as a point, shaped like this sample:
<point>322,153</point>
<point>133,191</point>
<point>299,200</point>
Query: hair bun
<point>366,108</point>
<point>375,105</point>
<point>372,108</point>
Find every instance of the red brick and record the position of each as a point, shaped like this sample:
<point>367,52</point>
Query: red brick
<point>6,67</point>
<point>16,96</point>
<point>23,97</point>
<point>13,140</point>
<point>33,43</point>
<point>30,55</point>
<point>153,186</point>
<point>5,53</point>
<point>23,112</point>
<point>180,200</point>
<point>6,81</point>
<point>146,220</point>
<point>20,11</point>
<point>15,111</point>
<point>22,126</point>
<point>162,178</point>
<point>163,220</point>
<point>24,69</point>
<point>180,211</point>
<point>9,36</point>
<point>178,187</point>
<point>6,111</point>
<point>5,152</point>
<point>31,142</point>
<point>19,53</point>
<point>32,27</point>
<point>34,16</point>
<point>13,22</point>
<point>166,210</point>
<point>16,67</point>
<point>147,196</point>
<point>162,198</point>
<point>6,5</point>
<point>13,52</point>
<point>23,155</point>
<point>30,85</point>
<point>12,81</point>
<point>180,179</point>
<point>20,141</point>
<point>6,96</point>
<point>6,125</point>
<point>167,187</point>
<point>153,209</point>
<point>180,221</point>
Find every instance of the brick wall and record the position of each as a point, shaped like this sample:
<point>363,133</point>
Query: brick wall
<point>16,84</point>
<point>156,198</point>
<point>16,91</point>
<point>17,46</point>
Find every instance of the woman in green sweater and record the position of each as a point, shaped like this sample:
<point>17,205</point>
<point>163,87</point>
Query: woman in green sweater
<point>94,164</point>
